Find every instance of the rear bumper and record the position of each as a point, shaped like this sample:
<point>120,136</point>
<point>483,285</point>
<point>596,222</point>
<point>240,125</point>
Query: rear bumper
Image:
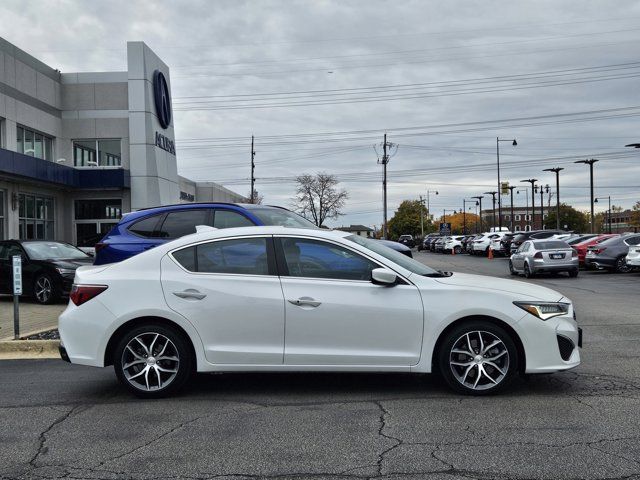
<point>564,267</point>
<point>595,262</point>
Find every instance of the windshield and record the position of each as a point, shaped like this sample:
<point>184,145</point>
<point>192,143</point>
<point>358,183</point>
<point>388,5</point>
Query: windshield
<point>281,217</point>
<point>52,251</point>
<point>390,254</point>
<point>550,245</point>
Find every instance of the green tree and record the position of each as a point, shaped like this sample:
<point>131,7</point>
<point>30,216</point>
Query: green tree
<point>570,219</point>
<point>406,220</point>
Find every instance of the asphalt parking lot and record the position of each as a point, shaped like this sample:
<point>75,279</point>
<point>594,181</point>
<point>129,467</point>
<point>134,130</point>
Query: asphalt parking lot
<point>60,420</point>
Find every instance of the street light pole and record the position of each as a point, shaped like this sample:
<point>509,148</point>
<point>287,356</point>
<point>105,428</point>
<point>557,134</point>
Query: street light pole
<point>479,198</point>
<point>493,196</point>
<point>556,170</point>
<point>590,162</point>
<point>511,216</point>
<point>514,143</point>
<point>608,211</point>
<point>532,181</point>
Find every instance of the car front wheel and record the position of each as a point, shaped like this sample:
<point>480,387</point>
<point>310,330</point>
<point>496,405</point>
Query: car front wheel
<point>43,289</point>
<point>621,265</point>
<point>478,358</point>
<point>153,361</point>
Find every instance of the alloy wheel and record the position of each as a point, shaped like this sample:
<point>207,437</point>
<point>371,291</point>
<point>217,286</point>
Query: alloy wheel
<point>150,361</point>
<point>43,289</point>
<point>621,265</point>
<point>479,360</point>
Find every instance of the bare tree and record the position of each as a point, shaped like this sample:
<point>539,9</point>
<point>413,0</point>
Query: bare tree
<point>257,197</point>
<point>318,198</point>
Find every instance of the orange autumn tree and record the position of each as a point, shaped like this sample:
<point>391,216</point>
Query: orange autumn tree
<point>457,221</point>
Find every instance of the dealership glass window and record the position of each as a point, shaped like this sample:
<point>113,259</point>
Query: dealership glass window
<point>94,219</point>
<point>97,153</point>
<point>36,217</point>
<point>34,144</point>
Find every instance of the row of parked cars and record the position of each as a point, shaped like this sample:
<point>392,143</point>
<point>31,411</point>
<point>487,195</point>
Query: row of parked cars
<point>546,250</point>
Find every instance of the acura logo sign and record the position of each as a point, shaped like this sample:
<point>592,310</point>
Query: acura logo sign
<point>162,98</point>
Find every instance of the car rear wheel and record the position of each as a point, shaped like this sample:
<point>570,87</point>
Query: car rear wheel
<point>478,358</point>
<point>43,289</point>
<point>511,269</point>
<point>573,273</point>
<point>153,361</point>
<point>621,265</point>
<point>527,270</point>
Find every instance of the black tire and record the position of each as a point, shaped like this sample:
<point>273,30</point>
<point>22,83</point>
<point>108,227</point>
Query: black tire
<point>489,330</point>
<point>512,271</point>
<point>573,273</point>
<point>621,265</point>
<point>179,347</point>
<point>44,290</point>
<point>527,271</point>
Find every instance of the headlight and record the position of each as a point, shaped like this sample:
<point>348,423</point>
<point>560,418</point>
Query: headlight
<point>544,310</point>
<point>66,272</point>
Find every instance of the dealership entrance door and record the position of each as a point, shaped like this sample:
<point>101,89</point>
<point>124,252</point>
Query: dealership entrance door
<point>94,219</point>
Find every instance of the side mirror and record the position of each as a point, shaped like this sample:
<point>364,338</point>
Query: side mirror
<point>383,276</point>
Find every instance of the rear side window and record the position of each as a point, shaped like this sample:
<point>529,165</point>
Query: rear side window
<point>230,219</point>
<point>146,227</point>
<point>241,256</point>
<point>633,241</point>
<point>183,222</point>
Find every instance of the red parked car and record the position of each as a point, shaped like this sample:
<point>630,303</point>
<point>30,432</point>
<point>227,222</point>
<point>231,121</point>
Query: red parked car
<point>582,247</point>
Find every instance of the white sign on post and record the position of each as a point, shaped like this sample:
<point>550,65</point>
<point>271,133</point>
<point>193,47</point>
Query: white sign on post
<point>17,275</point>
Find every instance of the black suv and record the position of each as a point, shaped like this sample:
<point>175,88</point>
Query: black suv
<point>522,237</point>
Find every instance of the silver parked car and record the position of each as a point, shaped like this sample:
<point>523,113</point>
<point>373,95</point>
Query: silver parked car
<point>538,256</point>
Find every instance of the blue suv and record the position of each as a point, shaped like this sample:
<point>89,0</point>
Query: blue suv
<point>144,229</point>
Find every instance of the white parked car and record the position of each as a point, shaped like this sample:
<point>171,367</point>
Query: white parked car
<point>633,257</point>
<point>481,245</point>
<point>453,243</point>
<point>284,299</point>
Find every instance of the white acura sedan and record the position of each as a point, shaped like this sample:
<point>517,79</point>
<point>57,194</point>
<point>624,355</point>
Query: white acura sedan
<point>282,299</point>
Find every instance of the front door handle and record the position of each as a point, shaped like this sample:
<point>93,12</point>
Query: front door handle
<point>190,294</point>
<point>305,302</point>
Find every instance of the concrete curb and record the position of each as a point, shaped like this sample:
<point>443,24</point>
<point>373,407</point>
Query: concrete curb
<point>25,349</point>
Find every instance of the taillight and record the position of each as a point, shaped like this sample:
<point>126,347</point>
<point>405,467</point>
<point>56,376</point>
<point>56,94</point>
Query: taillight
<point>83,293</point>
<point>99,246</point>
<point>538,255</point>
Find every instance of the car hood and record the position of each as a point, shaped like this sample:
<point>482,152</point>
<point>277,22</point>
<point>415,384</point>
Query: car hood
<point>521,289</point>
<point>71,263</point>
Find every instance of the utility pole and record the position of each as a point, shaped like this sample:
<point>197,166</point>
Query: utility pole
<point>514,143</point>
<point>253,168</point>
<point>493,198</point>
<point>511,216</point>
<point>590,162</point>
<point>384,161</point>
<point>421,216</point>
<point>557,172</point>
<point>532,181</point>
<point>479,202</point>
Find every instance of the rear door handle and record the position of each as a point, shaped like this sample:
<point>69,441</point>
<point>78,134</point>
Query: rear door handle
<point>190,294</point>
<point>305,302</point>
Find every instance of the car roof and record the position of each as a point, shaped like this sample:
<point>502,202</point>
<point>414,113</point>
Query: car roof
<point>143,212</point>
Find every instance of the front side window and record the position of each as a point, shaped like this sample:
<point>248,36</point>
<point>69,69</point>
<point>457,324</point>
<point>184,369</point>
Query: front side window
<point>183,222</point>
<point>230,219</point>
<point>278,216</point>
<point>241,256</point>
<point>316,259</point>
<point>97,153</point>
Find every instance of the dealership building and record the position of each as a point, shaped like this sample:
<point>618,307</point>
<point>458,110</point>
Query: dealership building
<point>77,150</point>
